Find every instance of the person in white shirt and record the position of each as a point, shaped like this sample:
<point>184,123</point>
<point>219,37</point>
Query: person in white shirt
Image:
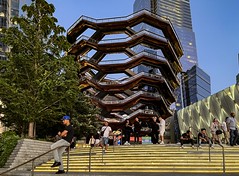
<point>225,131</point>
<point>106,130</point>
<point>161,130</point>
<point>232,128</point>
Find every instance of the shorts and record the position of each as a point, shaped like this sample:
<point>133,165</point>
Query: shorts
<point>161,132</point>
<point>105,140</point>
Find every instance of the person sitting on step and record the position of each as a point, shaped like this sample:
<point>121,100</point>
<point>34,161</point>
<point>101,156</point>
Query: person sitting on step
<point>186,138</point>
<point>203,138</point>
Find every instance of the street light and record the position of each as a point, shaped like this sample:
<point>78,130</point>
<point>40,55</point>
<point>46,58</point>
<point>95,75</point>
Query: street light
<point>181,88</point>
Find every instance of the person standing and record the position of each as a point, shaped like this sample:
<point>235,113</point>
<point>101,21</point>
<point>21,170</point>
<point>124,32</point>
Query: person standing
<point>155,131</point>
<point>215,127</point>
<point>232,126</point>
<point>127,132</point>
<point>136,128</point>
<point>61,145</point>
<point>225,131</point>
<point>161,130</point>
<point>105,130</point>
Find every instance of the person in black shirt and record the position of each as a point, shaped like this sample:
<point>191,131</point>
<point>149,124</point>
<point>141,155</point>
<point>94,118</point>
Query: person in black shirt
<point>186,138</point>
<point>127,132</point>
<point>61,145</point>
<point>136,129</point>
<point>155,130</point>
<point>203,138</point>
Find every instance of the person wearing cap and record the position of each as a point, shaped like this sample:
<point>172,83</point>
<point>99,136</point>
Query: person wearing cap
<point>61,145</point>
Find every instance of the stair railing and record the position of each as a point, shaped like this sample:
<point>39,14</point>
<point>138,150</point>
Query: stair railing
<point>33,160</point>
<point>223,159</point>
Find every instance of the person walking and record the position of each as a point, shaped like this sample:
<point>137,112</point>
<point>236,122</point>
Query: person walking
<point>61,145</point>
<point>105,131</point>
<point>161,130</point>
<point>232,126</point>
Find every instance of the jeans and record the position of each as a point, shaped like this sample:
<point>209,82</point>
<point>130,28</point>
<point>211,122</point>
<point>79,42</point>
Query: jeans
<point>57,153</point>
<point>200,141</point>
<point>233,137</point>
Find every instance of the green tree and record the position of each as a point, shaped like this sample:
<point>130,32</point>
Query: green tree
<point>38,82</point>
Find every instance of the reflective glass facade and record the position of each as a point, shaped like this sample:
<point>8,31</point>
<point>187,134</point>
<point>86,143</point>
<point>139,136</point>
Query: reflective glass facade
<point>178,11</point>
<point>8,9</point>
<point>196,85</point>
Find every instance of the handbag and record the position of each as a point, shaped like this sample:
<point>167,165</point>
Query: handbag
<point>218,132</point>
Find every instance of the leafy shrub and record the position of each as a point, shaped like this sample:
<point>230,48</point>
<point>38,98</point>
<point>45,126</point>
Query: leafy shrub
<point>8,141</point>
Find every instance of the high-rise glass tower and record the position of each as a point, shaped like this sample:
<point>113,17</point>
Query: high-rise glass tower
<point>8,9</point>
<point>179,13</point>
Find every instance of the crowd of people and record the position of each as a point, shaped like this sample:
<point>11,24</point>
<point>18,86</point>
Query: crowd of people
<point>224,132</point>
<point>130,133</point>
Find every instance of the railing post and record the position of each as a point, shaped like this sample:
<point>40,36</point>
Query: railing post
<point>32,172</point>
<point>209,152</point>
<point>68,159</point>
<point>223,160</point>
<point>90,160</point>
<point>103,152</point>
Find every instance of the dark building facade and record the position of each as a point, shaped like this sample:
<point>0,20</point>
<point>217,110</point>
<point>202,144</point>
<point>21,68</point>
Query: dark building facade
<point>137,94</point>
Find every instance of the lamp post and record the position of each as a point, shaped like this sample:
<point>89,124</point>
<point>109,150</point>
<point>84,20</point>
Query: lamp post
<point>181,88</point>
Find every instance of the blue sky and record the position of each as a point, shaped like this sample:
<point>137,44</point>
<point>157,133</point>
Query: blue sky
<point>215,23</point>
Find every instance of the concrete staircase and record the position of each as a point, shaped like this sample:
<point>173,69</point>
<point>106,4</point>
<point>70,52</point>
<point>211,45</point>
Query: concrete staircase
<point>27,149</point>
<point>149,159</point>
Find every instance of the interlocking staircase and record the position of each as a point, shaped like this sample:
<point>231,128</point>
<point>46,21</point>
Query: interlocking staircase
<point>149,159</point>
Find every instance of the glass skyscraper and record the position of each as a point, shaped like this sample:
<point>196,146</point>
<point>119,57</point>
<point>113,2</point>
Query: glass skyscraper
<point>179,13</point>
<point>8,9</point>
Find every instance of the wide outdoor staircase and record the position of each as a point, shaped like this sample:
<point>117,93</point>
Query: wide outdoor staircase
<point>148,159</point>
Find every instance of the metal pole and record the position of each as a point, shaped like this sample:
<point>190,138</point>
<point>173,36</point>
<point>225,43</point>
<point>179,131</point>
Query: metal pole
<point>198,139</point>
<point>181,89</point>
<point>209,153</point>
<point>68,157</point>
<point>90,160</point>
<point>32,172</point>
<point>223,159</point>
<point>103,151</point>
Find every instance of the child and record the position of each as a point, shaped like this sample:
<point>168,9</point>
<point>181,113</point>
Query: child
<point>92,141</point>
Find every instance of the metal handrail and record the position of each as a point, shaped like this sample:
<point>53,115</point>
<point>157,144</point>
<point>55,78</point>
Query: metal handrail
<point>223,159</point>
<point>33,159</point>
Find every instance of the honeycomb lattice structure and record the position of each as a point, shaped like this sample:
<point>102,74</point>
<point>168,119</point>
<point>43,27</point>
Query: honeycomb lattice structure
<point>136,94</point>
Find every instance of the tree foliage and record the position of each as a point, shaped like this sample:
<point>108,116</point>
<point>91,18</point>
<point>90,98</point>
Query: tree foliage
<point>38,82</point>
